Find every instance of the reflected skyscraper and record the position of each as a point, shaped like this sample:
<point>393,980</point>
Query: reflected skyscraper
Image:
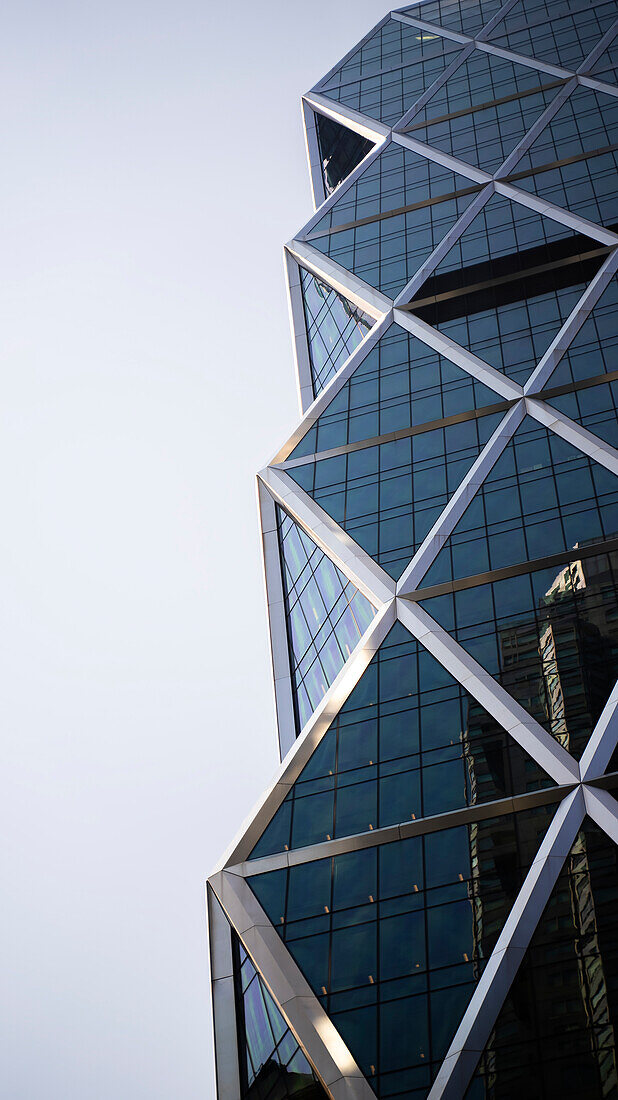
<point>424,902</point>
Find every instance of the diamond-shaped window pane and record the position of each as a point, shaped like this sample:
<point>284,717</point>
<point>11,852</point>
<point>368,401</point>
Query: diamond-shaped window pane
<point>388,496</point>
<point>394,939</point>
<point>326,616</point>
<point>550,637</point>
<point>401,383</point>
<point>542,497</point>
<point>409,742</point>
<point>335,328</point>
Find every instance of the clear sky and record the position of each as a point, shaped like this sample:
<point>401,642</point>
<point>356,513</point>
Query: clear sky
<point>153,166</point>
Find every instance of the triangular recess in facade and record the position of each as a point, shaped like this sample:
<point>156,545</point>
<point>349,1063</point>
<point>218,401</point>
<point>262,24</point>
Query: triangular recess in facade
<point>341,149</point>
<point>401,383</point>
<point>409,742</point>
<point>335,327</point>
<point>326,615</point>
<point>393,939</point>
<point>271,1063</point>
<point>386,75</point>
<point>388,496</point>
<point>554,1034</point>
<point>385,225</point>
<point>573,162</point>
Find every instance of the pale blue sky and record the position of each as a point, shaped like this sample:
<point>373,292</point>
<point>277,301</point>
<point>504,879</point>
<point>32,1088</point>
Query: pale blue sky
<point>153,165</point>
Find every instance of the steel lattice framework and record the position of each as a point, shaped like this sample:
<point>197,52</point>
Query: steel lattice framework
<point>580,786</point>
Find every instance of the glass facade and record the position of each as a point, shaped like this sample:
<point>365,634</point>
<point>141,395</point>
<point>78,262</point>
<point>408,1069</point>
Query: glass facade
<point>424,902</point>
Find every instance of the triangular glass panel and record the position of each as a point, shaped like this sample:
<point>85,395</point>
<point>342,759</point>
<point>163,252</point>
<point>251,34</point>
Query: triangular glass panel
<point>482,125</point>
<point>464,16</point>
<point>400,384</point>
<point>394,939</point>
<point>388,73</point>
<point>542,497</point>
<point>550,637</point>
<point>592,352</point>
<point>505,243</point>
<point>341,150</point>
<point>408,742</point>
<point>594,407</point>
<point>388,496</point>
<point>271,1062</point>
<point>326,616</point>
<point>335,328</point>
<point>571,161</point>
<point>534,28</point>
<point>385,225</point>
<point>606,66</point>
<point>555,1035</point>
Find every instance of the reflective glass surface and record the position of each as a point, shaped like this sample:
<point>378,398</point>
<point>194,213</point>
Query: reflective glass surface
<point>326,615</point>
<point>401,383</point>
<point>388,496</point>
<point>481,80</point>
<point>464,16</point>
<point>606,66</point>
<point>486,136</point>
<point>592,351</point>
<point>334,328</point>
<point>393,939</point>
<point>387,74</point>
<point>272,1065</point>
<point>555,1036</point>
<point>340,150</point>
<point>409,742</point>
<point>595,408</point>
<point>550,637</point>
<point>386,251</point>
<point>535,29</point>
<point>586,122</point>
<point>542,497</point>
<point>588,188</point>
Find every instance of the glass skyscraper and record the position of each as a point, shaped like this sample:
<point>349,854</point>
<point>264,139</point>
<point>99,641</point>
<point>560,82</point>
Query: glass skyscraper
<point>425,901</point>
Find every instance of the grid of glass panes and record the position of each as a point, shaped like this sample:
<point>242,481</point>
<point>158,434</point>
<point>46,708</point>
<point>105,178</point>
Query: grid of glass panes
<point>409,742</point>
<point>393,939</point>
<point>274,1067</point>
<point>326,615</point>
<point>561,39</point>
<point>464,16</point>
<point>334,328</point>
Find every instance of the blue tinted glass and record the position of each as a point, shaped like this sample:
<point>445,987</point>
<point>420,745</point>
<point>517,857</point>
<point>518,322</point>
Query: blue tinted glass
<point>271,1054</point>
<point>592,352</point>
<point>340,150</point>
<point>326,616</point>
<point>409,742</point>
<point>393,939</point>
<point>482,79</point>
<point>535,30</point>
<point>465,16</point>
<point>334,328</point>
<point>549,637</point>
<point>542,497</point>
<point>606,66</point>
<point>595,408</point>
<point>586,122</point>
<point>400,384</point>
<point>387,497</point>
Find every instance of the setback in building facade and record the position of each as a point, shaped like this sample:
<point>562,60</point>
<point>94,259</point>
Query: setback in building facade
<point>425,901</point>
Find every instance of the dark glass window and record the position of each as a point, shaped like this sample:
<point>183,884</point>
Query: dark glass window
<point>409,742</point>
<point>272,1065</point>
<point>388,496</point>
<point>465,16</point>
<point>340,150</point>
<point>595,408</point>
<point>550,637</point>
<point>400,384</point>
<point>586,187</point>
<point>543,496</point>
<point>556,1033</point>
<point>394,939</point>
<point>387,74</point>
<point>586,122</point>
<point>592,352</point>
<point>606,66</point>
<point>535,30</point>
<point>335,328</point>
<point>326,615</point>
